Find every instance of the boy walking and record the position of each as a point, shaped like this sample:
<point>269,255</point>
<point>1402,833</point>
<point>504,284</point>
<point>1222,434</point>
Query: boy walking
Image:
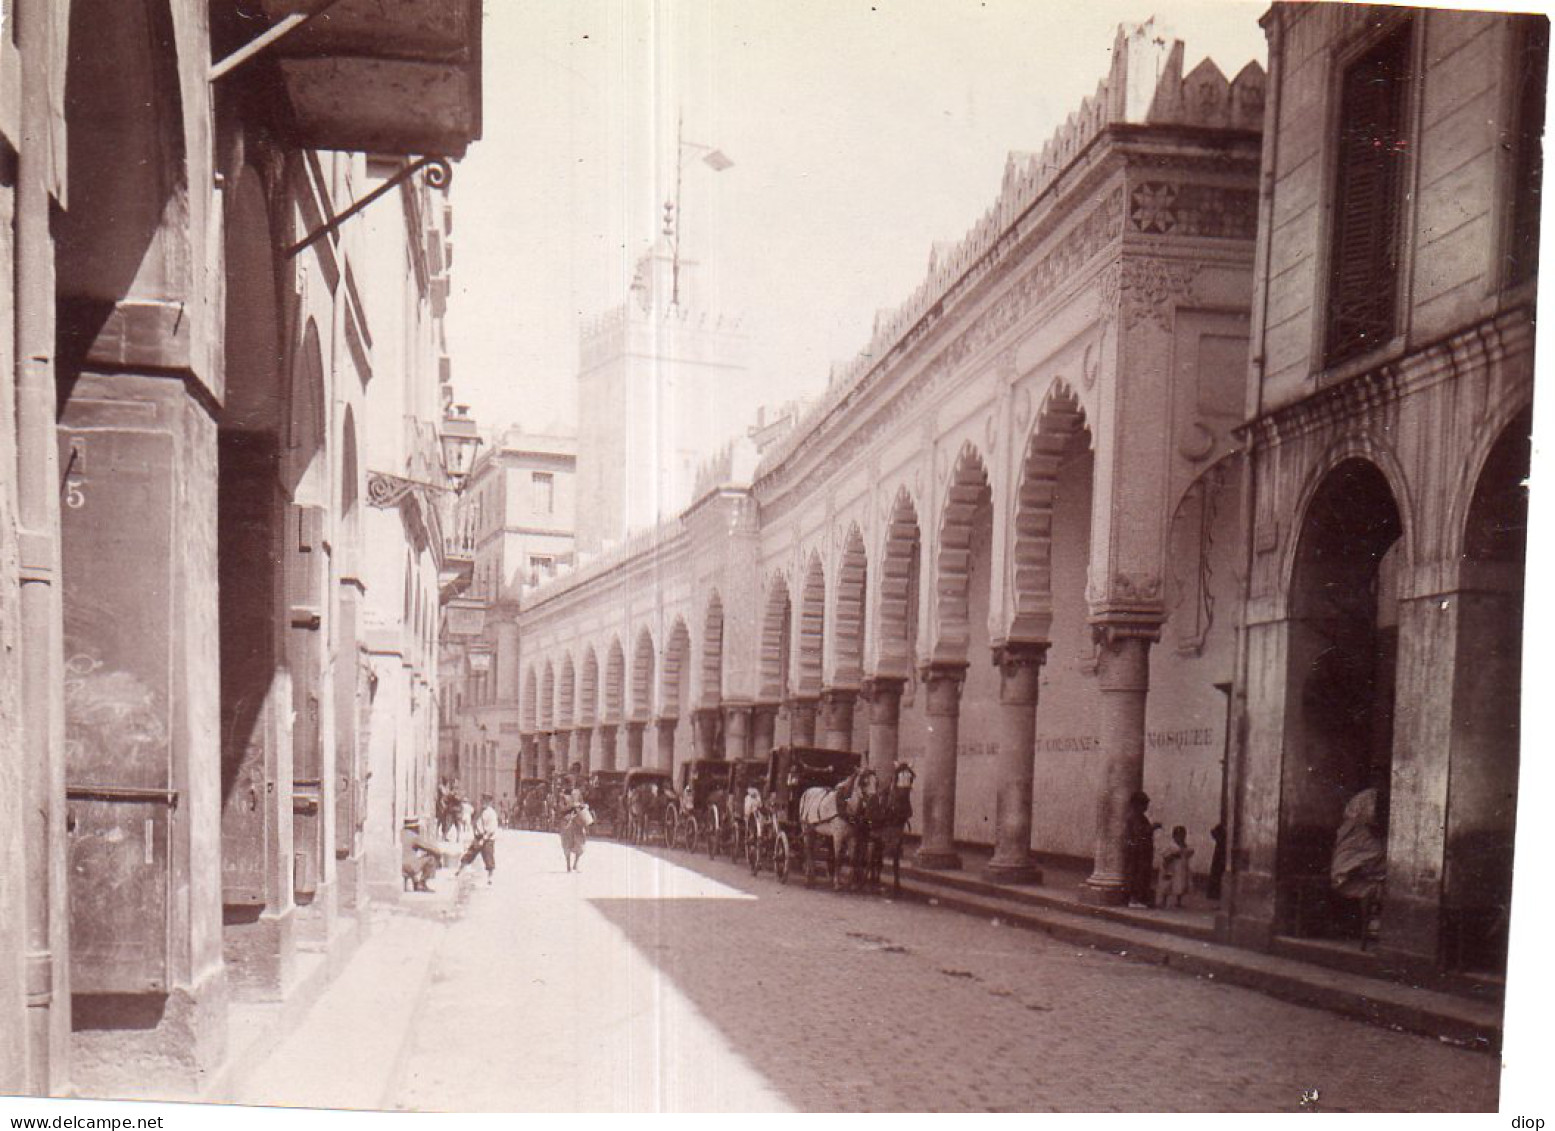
<point>484,843</point>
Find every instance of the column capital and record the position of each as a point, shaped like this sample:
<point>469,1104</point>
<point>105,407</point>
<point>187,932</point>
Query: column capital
<point>639,725</point>
<point>831,695</point>
<point>879,685</point>
<point>1107,630</point>
<point>942,682</point>
<point>935,670</point>
<point>1021,653</point>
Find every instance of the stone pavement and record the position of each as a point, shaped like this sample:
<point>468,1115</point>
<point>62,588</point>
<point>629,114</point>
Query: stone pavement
<point>655,981</point>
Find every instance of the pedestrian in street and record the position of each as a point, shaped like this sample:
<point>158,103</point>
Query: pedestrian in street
<point>576,820</point>
<point>1139,852</point>
<point>484,843</point>
<point>1176,870</point>
<point>1217,862</point>
<point>419,857</point>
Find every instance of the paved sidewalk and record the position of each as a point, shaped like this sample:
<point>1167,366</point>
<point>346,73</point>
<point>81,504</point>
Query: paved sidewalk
<point>1184,939</point>
<point>540,1003</point>
<point>345,1052</point>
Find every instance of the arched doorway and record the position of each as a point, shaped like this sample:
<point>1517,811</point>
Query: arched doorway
<point>1342,659</point>
<point>1487,701</point>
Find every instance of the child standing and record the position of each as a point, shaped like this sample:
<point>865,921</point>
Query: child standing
<point>1176,870</point>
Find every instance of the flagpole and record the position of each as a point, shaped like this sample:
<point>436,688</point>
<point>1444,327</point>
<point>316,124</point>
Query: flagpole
<point>680,126</point>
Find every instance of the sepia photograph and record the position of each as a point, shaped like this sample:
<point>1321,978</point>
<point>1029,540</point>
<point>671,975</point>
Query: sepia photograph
<point>657,556</point>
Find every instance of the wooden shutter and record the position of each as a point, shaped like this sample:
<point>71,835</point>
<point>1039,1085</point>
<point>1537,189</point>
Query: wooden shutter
<point>1368,198</point>
<point>1533,58</point>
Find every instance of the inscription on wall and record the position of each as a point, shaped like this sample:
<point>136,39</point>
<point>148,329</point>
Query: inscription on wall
<point>1183,739</point>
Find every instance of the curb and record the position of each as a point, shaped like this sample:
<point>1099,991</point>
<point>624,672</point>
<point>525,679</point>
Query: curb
<point>1454,1020</point>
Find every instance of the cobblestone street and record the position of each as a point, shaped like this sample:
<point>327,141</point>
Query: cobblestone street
<point>655,981</point>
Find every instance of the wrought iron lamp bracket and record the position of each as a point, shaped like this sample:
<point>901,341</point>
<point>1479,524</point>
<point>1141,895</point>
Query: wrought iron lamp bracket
<point>439,174</point>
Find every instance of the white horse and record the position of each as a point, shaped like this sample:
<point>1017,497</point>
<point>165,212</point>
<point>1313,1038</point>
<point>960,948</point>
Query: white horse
<point>832,813</point>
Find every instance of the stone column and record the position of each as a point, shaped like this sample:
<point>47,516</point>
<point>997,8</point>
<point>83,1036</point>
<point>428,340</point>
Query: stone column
<point>837,717</point>
<point>582,740</point>
<point>704,722</point>
<point>801,721</point>
<point>526,753</point>
<point>1020,667</point>
<point>763,729</point>
<point>547,755</point>
<point>634,743</point>
<point>607,747</point>
<point>884,695</point>
<point>1123,673</point>
<point>737,730</point>
<point>563,750</point>
<point>666,741</point>
<point>942,704</point>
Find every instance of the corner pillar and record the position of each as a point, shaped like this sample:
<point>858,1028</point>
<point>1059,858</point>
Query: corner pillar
<point>634,743</point>
<point>1123,673</point>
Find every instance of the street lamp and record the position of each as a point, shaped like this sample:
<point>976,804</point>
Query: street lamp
<point>716,160</point>
<point>459,439</point>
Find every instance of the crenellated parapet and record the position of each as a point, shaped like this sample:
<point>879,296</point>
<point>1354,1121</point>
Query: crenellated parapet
<point>1145,87</point>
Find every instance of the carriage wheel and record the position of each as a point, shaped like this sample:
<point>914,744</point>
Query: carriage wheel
<point>714,832</point>
<point>753,855</point>
<point>693,834</point>
<point>671,825</point>
<point>780,857</point>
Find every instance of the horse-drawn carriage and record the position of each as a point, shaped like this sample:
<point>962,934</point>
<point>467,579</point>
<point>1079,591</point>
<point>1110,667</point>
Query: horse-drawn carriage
<point>707,807</point>
<point>801,809</point>
<point>606,795</point>
<point>648,796</point>
<point>533,803</point>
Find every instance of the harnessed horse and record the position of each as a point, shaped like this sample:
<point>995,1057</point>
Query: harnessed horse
<point>886,819</point>
<point>836,814</point>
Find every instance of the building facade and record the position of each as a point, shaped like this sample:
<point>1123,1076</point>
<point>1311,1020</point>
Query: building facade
<point>1390,404</point>
<point>1028,483</point>
<point>1195,469</point>
<point>213,372</point>
<point>515,521</point>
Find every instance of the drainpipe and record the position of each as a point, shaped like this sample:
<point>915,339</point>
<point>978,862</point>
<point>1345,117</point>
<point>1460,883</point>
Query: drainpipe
<point>1236,707</point>
<point>37,477</point>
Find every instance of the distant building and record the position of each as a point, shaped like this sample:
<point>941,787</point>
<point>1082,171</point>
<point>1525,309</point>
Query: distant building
<point>663,384</point>
<point>514,528</point>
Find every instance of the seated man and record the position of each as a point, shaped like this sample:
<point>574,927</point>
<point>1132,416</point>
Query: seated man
<point>419,857</point>
<point>1360,864</point>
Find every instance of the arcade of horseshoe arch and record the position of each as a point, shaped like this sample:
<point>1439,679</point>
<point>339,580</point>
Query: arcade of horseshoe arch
<point>1016,543</point>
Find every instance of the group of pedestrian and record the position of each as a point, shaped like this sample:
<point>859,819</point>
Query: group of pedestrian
<point>420,858</point>
<point>1164,880</point>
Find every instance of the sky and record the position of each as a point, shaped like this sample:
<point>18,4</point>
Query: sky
<point>861,133</point>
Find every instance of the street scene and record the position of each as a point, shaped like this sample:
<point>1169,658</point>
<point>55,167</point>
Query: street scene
<point>668,982</point>
<point>793,555</point>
